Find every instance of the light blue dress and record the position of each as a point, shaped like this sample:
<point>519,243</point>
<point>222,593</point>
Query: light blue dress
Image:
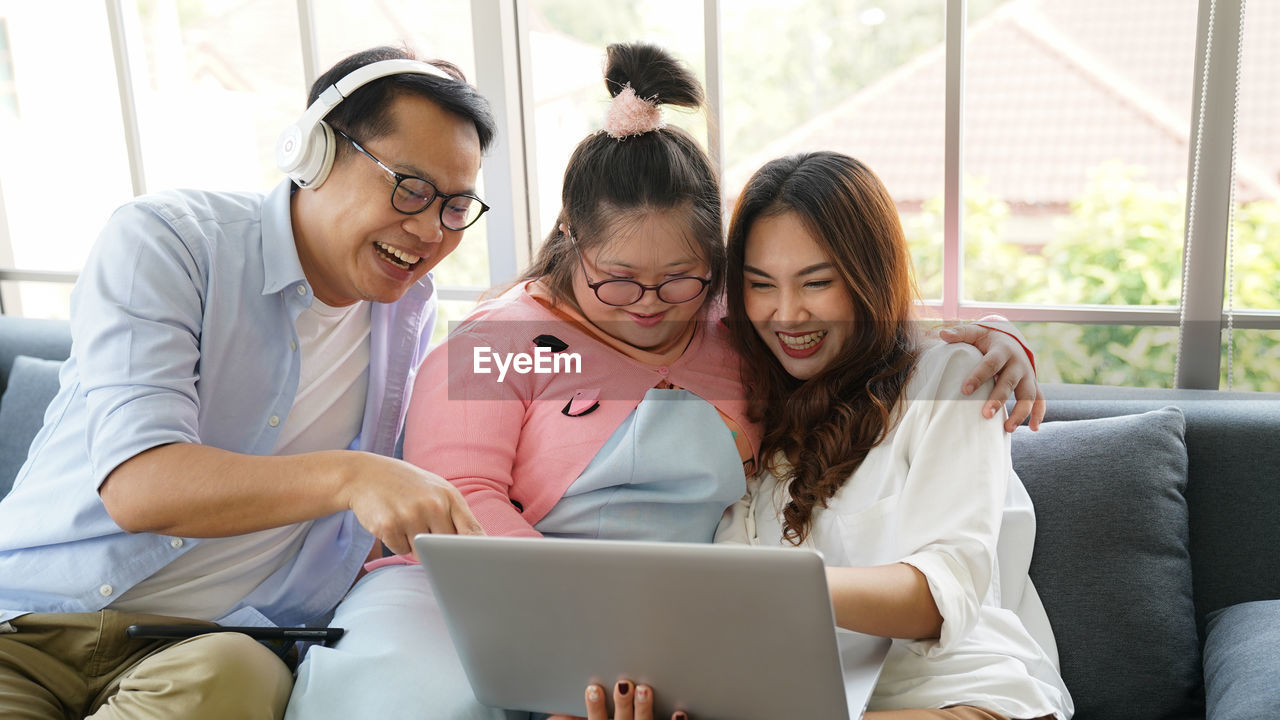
<point>667,473</point>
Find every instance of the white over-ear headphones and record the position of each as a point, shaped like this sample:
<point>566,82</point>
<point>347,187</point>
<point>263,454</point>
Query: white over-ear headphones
<point>305,149</point>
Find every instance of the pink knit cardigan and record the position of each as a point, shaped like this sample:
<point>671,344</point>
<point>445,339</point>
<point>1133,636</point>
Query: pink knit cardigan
<point>514,447</point>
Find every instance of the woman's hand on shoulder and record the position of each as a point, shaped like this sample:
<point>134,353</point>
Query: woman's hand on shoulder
<point>1005,359</point>
<point>630,702</point>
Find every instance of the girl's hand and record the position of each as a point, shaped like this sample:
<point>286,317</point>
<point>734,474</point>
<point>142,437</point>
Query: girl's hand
<point>630,702</point>
<point>1004,359</point>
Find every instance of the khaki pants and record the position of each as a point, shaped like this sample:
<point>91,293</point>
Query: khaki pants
<point>82,665</point>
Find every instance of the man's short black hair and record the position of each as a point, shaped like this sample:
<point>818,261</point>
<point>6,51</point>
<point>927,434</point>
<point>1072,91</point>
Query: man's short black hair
<point>366,113</point>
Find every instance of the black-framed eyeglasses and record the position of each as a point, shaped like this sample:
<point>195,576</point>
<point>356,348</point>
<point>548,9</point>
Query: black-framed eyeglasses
<point>412,195</point>
<point>620,292</point>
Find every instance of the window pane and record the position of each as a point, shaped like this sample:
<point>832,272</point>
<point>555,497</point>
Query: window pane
<point>8,93</point>
<point>64,119</point>
<point>1254,363</point>
<point>1256,254</point>
<point>1075,151</point>
<point>433,29</point>
<point>567,43</point>
<point>865,79</point>
<point>449,314</point>
<point>1254,261</point>
<point>37,299</point>
<point>215,81</point>
<point>1132,355</point>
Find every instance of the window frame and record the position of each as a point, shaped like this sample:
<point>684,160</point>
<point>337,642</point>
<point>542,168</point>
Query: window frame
<point>500,30</point>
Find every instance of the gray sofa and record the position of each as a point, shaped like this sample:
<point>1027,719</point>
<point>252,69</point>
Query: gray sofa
<point>1158,545</point>
<point>31,351</point>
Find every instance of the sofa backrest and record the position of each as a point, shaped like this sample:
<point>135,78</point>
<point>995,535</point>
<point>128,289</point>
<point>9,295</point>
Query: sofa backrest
<point>48,339</point>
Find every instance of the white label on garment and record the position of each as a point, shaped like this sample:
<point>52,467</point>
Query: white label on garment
<point>542,362</point>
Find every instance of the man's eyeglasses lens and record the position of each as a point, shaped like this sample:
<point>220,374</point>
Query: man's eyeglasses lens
<point>673,291</point>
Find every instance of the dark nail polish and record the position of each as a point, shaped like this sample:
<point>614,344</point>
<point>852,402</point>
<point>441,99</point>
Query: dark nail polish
<point>624,688</point>
<point>680,716</point>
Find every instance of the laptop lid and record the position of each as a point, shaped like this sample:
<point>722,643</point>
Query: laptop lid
<point>720,631</point>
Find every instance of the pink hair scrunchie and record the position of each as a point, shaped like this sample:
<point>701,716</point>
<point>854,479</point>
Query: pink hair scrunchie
<point>630,115</point>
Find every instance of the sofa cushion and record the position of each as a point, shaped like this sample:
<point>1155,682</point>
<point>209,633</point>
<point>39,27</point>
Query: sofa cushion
<point>1233,481</point>
<point>1241,661</point>
<point>32,384</point>
<point>1111,561</point>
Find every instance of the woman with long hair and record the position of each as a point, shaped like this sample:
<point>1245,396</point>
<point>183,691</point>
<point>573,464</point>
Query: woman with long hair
<point>872,455</point>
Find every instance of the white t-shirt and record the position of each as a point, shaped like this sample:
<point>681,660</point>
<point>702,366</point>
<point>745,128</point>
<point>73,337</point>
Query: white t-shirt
<point>209,580</point>
<point>938,493</point>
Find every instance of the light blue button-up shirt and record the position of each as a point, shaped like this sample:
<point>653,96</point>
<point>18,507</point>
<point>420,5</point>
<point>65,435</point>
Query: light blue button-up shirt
<point>183,327</point>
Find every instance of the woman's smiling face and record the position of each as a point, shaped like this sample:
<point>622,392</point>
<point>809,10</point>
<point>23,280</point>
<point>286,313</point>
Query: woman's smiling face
<point>794,297</point>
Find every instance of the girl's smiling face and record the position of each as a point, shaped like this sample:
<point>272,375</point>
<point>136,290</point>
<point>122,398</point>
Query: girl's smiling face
<point>649,247</point>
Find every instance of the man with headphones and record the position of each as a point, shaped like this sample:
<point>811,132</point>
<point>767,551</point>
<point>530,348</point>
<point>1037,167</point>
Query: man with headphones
<point>221,447</point>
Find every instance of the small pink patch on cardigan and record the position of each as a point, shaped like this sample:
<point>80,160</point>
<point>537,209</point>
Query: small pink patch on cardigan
<point>583,402</point>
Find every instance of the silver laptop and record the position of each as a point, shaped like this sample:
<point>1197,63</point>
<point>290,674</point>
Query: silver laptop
<point>720,631</point>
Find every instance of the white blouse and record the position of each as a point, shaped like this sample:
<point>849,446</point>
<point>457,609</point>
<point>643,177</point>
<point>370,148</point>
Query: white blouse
<point>939,493</point>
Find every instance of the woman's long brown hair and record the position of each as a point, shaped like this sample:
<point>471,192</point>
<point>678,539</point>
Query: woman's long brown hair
<point>825,426</point>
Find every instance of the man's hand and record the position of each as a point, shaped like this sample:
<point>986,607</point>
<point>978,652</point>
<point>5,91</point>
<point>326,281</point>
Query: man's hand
<point>1005,360</point>
<point>395,500</point>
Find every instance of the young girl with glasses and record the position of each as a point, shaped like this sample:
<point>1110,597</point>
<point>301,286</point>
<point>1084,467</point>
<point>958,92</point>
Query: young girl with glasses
<point>637,427</point>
